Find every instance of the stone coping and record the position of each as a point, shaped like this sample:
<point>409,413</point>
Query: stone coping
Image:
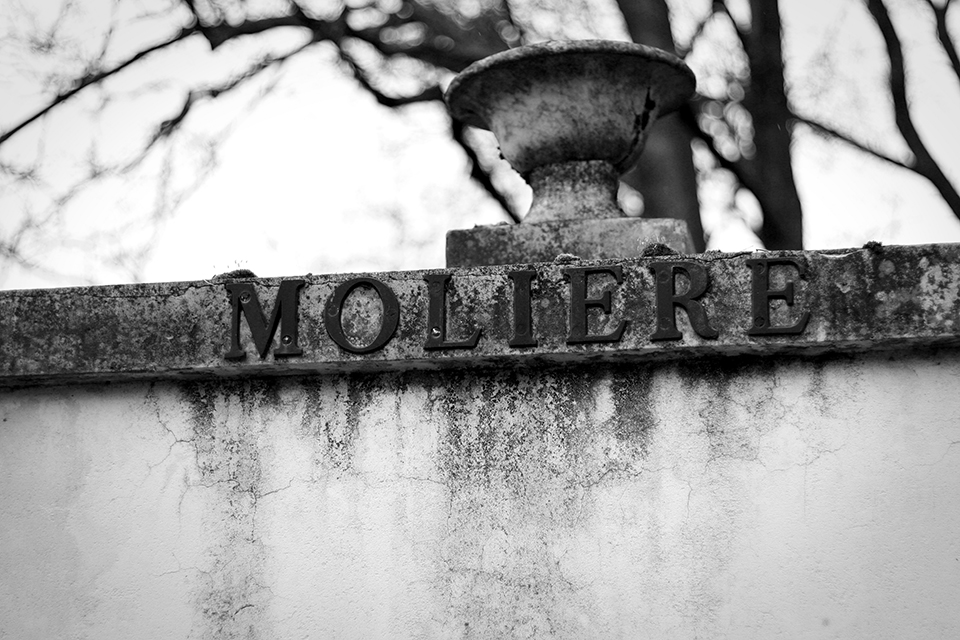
<point>658,307</point>
<point>590,239</point>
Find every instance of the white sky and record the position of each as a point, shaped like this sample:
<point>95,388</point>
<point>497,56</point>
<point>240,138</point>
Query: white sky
<point>316,177</point>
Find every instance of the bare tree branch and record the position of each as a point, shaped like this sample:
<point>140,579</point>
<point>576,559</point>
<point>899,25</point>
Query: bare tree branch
<point>446,44</point>
<point>169,126</point>
<point>439,38</point>
<point>831,132</point>
<point>168,198</point>
<point>94,78</point>
<point>479,175</point>
<point>943,35</point>
<point>924,164</point>
<point>221,32</point>
<point>449,46</point>
<point>431,93</point>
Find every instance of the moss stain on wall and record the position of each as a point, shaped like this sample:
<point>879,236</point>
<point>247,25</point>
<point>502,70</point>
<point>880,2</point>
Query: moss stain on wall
<point>531,472</point>
<point>228,420</point>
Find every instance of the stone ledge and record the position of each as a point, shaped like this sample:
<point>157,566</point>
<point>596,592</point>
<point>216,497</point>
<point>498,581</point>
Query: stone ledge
<point>592,239</point>
<point>860,299</point>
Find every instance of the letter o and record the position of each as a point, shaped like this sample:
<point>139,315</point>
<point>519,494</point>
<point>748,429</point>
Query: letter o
<point>388,324</point>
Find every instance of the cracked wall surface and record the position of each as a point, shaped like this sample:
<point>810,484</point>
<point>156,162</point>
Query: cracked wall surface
<point>721,498</point>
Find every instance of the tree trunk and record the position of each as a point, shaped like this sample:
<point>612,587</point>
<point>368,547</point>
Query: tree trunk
<point>665,174</point>
<point>766,101</point>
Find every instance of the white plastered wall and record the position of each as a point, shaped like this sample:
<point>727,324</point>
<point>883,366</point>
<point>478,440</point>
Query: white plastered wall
<point>725,499</point>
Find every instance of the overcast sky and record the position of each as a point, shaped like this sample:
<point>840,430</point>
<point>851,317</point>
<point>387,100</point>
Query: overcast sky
<point>316,177</point>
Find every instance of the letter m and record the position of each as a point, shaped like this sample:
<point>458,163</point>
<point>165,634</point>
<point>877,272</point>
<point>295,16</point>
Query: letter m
<point>243,298</point>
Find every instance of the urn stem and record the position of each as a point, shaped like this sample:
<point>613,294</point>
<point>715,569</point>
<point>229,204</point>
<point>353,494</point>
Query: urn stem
<point>576,190</point>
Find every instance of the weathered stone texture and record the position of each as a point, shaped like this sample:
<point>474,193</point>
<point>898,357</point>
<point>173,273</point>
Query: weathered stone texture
<point>606,239</point>
<point>871,298</point>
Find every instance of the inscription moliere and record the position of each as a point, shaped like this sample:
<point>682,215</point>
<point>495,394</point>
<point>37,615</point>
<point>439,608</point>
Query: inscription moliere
<point>757,304</point>
<point>678,285</point>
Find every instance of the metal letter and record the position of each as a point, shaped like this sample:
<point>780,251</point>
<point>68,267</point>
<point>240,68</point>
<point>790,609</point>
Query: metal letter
<point>763,294</point>
<point>580,303</point>
<point>668,299</point>
<point>388,323</point>
<point>522,316</point>
<point>437,317</point>
<point>285,313</point>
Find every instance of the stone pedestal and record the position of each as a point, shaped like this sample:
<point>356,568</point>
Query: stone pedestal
<point>570,117</point>
<point>611,238</point>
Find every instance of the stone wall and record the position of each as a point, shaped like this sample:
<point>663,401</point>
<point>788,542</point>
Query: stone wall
<point>722,497</point>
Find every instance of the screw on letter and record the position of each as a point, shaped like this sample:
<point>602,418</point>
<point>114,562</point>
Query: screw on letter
<point>668,299</point>
<point>244,301</point>
<point>388,325</point>
<point>437,316</point>
<point>763,294</point>
<point>580,304</point>
<point>522,311</point>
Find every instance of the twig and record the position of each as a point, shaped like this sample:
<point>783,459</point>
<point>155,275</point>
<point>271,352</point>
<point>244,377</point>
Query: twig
<point>430,93</point>
<point>479,175</point>
<point>831,132</point>
<point>925,164</point>
<point>94,78</point>
<point>943,35</point>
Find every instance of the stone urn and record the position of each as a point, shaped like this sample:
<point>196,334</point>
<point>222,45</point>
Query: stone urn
<point>570,117</point>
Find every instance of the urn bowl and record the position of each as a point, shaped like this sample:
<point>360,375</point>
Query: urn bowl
<point>561,102</point>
